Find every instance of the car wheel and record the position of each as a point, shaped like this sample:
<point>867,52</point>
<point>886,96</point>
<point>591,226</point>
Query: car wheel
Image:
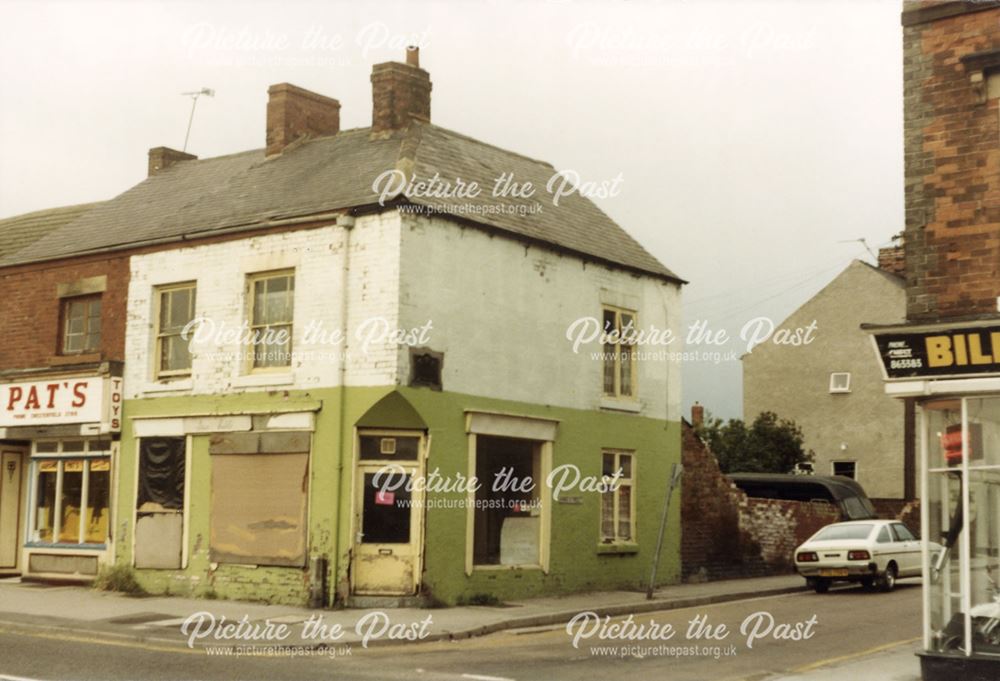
<point>868,583</point>
<point>821,586</point>
<point>887,580</point>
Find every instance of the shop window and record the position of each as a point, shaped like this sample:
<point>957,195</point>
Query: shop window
<point>271,317</point>
<point>81,324</point>
<point>619,356</point>
<point>848,469</point>
<point>175,310</point>
<point>840,382</point>
<point>72,492</point>
<point>258,508</point>
<point>507,520</point>
<point>618,502</point>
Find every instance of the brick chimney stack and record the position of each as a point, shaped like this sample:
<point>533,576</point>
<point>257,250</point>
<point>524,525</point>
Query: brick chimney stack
<point>697,415</point>
<point>161,158</point>
<point>400,93</point>
<point>294,113</point>
<point>893,258</point>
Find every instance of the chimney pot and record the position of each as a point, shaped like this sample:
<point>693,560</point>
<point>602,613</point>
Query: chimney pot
<point>413,56</point>
<point>294,113</point>
<point>161,158</point>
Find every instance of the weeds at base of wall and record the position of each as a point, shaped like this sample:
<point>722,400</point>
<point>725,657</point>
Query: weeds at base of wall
<point>479,599</point>
<point>120,579</point>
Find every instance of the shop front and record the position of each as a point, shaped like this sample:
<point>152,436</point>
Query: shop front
<point>953,372</point>
<point>58,443</point>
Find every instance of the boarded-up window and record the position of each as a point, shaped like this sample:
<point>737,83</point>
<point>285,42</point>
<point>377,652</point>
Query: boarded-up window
<point>161,474</point>
<point>258,510</point>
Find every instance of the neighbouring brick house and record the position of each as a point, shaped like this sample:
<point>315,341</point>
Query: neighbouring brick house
<point>946,355</point>
<point>60,382</point>
<point>246,470</point>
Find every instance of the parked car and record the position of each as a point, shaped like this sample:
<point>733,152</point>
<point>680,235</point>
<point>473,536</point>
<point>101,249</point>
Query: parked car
<point>871,552</point>
<point>846,495</point>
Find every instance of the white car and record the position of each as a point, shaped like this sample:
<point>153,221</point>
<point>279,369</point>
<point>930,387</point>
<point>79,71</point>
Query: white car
<point>871,552</point>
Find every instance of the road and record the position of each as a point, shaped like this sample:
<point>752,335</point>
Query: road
<point>849,623</point>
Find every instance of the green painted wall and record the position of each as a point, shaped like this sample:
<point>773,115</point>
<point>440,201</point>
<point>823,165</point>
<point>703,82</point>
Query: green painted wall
<point>576,564</point>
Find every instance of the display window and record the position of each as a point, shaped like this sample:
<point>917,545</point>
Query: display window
<point>71,492</point>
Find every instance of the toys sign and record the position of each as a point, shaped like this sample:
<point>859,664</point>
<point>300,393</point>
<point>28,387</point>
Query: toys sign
<point>62,401</point>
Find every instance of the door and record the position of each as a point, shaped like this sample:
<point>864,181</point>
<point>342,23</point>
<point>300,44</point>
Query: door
<point>11,461</point>
<point>909,546</point>
<point>388,514</point>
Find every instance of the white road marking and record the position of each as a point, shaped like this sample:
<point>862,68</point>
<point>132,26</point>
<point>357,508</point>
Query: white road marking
<point>480,677</point>
<point>4,677</point>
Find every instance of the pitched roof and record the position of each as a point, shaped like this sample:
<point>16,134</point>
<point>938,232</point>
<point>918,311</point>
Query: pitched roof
<point>19,232</point>
<point>249,191</point>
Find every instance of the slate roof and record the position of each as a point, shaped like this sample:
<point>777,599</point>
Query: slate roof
<point>21,231</point>
<point>248,191</point>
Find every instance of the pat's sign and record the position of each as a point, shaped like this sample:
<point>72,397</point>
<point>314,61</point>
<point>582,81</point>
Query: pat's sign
<point>935,354</point>
<point>90,400</point>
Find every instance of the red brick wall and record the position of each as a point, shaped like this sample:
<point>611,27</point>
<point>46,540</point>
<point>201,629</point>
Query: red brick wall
<point>725,534</point>
<point>29,311</point>
<point>952,153</point>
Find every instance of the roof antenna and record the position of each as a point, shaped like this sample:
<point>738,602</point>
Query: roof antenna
<point>194,102</point>
<point>862,242</point>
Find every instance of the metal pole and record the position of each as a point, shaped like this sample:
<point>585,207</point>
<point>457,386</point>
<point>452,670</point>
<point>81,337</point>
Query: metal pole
<point>675,475</point>
<point>194,103</point>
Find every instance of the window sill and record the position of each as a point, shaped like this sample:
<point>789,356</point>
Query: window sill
<point>63,546</point>
<point>620,548</point>
<point>78,358</point>
<point>497,568</point>
<point>168,386</point>
<point>612,404</point>
<point>264,379</point>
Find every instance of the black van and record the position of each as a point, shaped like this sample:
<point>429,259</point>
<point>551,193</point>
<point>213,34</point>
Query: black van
<point>844,493</point>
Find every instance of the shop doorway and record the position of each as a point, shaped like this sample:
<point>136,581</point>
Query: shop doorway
<point>11,484</point>
<point>387,555</point>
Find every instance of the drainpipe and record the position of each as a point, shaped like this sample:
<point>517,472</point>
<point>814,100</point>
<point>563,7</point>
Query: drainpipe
<point>347,223</point>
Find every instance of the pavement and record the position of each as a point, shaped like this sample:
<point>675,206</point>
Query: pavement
<point>156,619</point>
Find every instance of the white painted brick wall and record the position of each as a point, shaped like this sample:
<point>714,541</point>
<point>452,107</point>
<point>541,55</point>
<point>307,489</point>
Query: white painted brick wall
<point>220,271</point>
<point>500,312</point>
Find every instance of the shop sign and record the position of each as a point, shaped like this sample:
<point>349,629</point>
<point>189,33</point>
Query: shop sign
<point>63,401</point>
<point>936,354</point>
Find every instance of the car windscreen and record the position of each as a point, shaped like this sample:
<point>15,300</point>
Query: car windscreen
<point>857,509</point>
<point>835,532</point>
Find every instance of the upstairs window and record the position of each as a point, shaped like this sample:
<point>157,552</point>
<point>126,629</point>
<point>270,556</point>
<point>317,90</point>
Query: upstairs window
<point>176,309</point>
<point>619,355</point>
<point>840,382</point>
<point>272,297</point>
<point>81,324</point>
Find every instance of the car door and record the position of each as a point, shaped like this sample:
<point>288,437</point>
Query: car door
<point>909,547</point>
<point>885,548</point>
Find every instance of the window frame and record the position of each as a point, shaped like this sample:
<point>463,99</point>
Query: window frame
<point>630,481</point>
<point>93,450</point>
<point>853,462</point>
<point>64,319</point>
<point>159,335</point>
<point>616,394</point>
<point>250,293</point>
<point>834,388</point>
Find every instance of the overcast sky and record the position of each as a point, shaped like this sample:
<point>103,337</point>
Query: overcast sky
<point>753,137</point>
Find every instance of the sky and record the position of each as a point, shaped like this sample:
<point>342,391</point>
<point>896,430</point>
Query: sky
<point>757,141</point>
